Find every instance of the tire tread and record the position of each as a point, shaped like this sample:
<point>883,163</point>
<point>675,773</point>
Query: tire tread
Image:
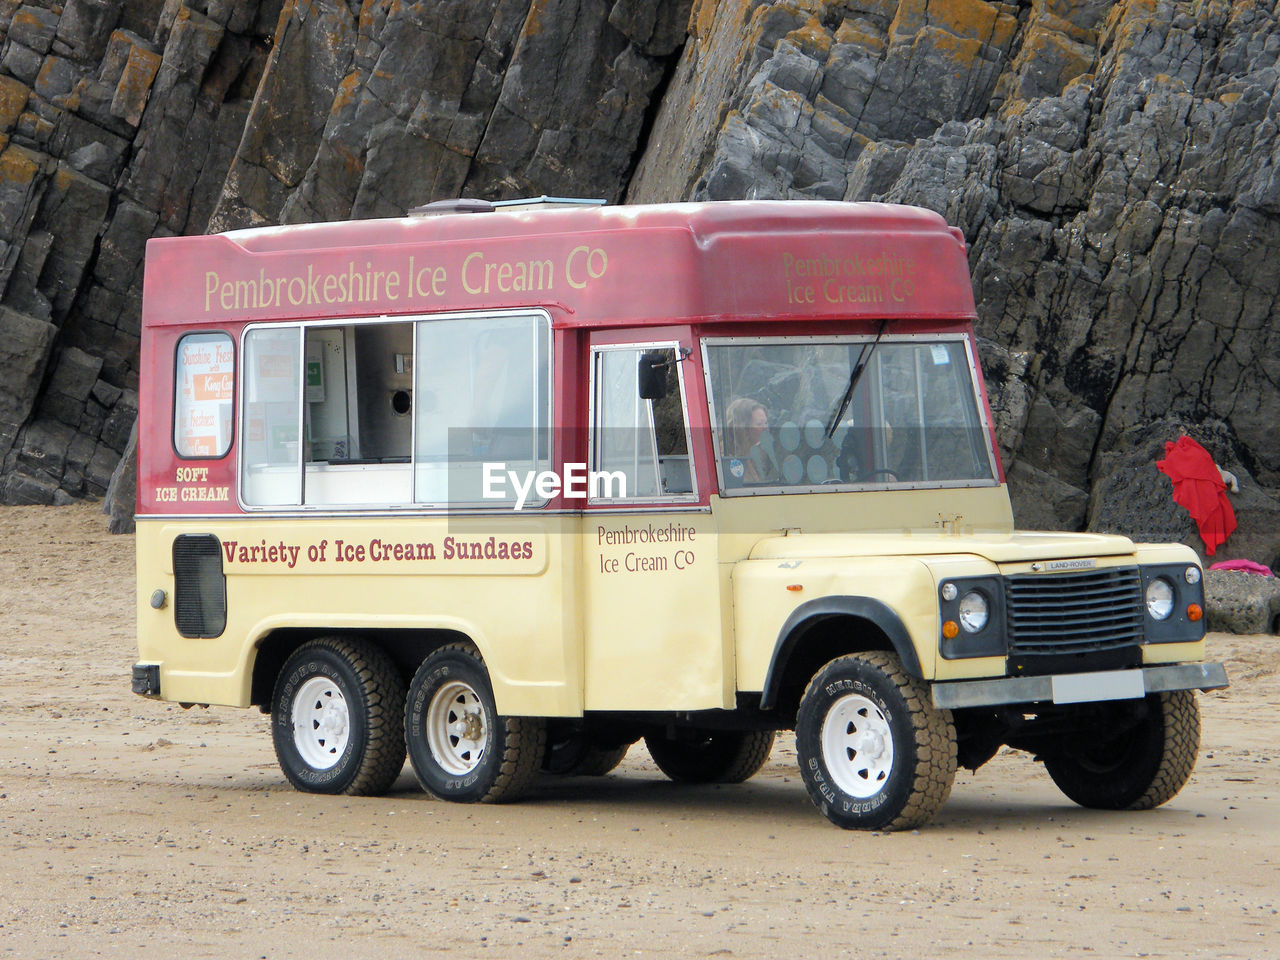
<point>1181,715</point>
<point>933,733</point>
<point>383,689</point>
<point>1172,736</point>
<point>523,741</point>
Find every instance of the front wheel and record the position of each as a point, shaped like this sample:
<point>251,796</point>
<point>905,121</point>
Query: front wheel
<point>336,715</point>
<point>721,757</point>
<point>875,754</point>
<point>460,748</point>
<point>1131,763</point>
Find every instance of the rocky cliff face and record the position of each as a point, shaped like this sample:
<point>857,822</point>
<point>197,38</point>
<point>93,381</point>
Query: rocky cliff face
<point>1113,167</point>
<point>117,122</point>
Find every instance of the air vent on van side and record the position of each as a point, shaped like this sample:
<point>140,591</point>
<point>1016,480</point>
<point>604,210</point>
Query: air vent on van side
<point>199,587</point>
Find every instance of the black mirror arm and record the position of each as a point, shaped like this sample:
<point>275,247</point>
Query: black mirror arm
<point>682,355</point>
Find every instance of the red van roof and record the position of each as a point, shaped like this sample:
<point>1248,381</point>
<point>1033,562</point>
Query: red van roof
<point>593,266</point>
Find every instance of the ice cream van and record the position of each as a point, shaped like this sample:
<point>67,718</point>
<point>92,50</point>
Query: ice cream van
<point>509,487</point>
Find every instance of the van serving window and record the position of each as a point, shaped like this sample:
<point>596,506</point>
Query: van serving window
<point>270,458</point>
<point>484,397</point>
<point>331,411</point>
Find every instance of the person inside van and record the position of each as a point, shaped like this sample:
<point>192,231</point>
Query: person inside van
<point>747,442</point>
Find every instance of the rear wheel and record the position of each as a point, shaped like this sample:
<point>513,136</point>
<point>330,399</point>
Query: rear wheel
<point>1128,763</point>
<point>460,748</point>
<point>875,754</point>
<point>336,715</point>
<point>719,757</point>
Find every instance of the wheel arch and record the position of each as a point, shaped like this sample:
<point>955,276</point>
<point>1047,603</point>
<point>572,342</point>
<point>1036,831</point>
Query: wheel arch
<point>820,630</point>
<point>406,648</point>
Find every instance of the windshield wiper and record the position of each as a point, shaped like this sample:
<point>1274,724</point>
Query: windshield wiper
<point>864,357</point>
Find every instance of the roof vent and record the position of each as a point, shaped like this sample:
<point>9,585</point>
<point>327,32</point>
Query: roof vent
<point>546,203</point>
<point>469,205</point>
<point>441,208</point>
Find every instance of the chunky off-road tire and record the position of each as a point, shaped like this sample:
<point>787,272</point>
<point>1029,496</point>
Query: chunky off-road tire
<point>336,718</point>
<point>712,757</point>
<point>875,754</point>
<point>1142,767</point>
<point>460,748</point>
<point>578,755</point>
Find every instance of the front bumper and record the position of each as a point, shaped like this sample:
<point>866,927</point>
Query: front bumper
<point>1079,687</point>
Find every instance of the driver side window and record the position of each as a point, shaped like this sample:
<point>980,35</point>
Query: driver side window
<point>640,443</point>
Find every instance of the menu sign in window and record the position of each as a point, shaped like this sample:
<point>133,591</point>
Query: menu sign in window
<point>205,387</point>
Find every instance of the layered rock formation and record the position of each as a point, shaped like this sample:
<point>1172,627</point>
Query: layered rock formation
<point>1112,165</point>
<point>118,122</point>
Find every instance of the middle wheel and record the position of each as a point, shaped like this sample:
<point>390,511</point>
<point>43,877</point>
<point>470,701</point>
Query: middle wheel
<point>712,757</point>
<point>459,747</point>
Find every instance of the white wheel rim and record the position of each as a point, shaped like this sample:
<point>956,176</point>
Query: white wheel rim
<point>457,728</point>
<point>857,746</point>
<point>321,723</point>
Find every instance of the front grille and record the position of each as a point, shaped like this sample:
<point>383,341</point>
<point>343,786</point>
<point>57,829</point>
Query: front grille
<point>199,587</point>
<point>1074,613</point>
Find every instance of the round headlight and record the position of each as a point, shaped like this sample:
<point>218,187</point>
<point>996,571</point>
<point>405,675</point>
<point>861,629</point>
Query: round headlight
<point>1193,575</point>
<point>1160,598</point>
<point>949,592</point>
<point>973,612</point>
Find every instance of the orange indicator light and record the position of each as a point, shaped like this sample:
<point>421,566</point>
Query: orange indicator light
<point>794,587</point>
<point>1194,612</point>
<point>949,629</point>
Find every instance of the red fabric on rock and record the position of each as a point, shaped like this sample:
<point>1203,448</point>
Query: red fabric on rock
<point>1198,486</point>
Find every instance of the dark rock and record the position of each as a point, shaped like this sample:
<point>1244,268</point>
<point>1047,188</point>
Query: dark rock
<point>105,393</point>
<point>22,62</point>
<point>93,416</point>
<point>34,27</point>
<point>22,490</point>
<point>123,243</point>
<point>24,351</point>
<point>309,59</point>
<point>75,374</point>
<point>72,210</point>
<point>173,134</point>
<point>23,178</point>
<point>120,46</point>
<point>1042,501</point>
<point>133,88</point>
<point>44,448</point>
<point>657,29</point>
<point>1059,441</point>
<point>79,453</point>
<point>56,79</point>
<point>120,500</point>
<point>102,466</point>
<point>1238,602</point>
<point>115,432</point>
<point>89,149</point>
<point>22,292</point>
<point>13,100</point>
<point>85,27</point>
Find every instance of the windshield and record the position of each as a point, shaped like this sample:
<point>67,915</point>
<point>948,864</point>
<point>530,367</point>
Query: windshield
<point>912,418</point>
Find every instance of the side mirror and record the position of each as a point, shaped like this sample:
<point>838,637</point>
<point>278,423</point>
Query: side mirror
<point>653,375</point>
